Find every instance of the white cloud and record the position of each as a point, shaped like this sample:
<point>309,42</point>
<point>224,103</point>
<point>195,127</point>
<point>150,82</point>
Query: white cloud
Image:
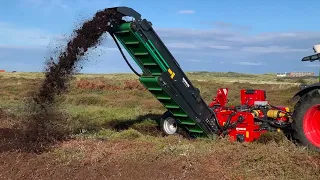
<point>213,41</point>
<point>222,24</point>
<point>182,45</point>
<point>219,47</point>
<point>269,37</point>
<point>231,36</point>
<point>197,60</point>
<point>186,12</point>
<point>314,64</point>
<point>197,45</point>
<point>272,49</point>
<point>188,34</point>
<point>226,25</point>
<point>246,63</point>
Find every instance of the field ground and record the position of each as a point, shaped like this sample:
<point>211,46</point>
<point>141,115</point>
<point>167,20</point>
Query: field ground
<point>114,135</point>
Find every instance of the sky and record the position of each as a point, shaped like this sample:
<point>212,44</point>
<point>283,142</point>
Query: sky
<point>245,36</point>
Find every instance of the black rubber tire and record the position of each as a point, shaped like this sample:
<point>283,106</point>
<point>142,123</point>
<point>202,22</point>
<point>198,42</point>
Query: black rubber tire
<point>164,116</point>
<point>305,102</point>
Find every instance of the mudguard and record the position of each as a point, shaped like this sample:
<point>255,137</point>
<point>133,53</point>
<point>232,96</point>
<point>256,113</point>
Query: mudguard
<point>312,58</point>
<point>306,90</point>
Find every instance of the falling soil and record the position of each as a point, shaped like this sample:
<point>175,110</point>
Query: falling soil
<point>88,36</point>
<point>45,123</point>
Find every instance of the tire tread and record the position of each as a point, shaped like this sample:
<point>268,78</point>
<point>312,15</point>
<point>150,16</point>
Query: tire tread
<point>305,102</point>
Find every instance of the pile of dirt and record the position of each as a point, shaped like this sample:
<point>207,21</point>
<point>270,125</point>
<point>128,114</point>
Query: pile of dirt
<point>133,85</point>
<point>45,123</point>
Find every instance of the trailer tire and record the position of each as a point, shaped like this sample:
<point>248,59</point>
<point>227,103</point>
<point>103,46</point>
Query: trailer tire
<point>164,123</point>
<point>169,125</point>
<point>306,120</point>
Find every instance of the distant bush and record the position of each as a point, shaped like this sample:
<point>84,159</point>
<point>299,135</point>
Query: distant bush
<point>301,81</point>
<point>279,80</point>
<point>222,74</point>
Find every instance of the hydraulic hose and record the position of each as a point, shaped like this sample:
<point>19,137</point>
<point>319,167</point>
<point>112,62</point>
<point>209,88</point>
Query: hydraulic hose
<point>227,125</point>
<point>272,123</point>
<point>124,57</point>
<point>277,108</point>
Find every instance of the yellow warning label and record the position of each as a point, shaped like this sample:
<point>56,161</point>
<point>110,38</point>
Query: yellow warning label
<point>172,74</point>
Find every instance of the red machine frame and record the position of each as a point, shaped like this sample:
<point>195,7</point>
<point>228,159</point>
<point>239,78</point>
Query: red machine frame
<point>249,120</point>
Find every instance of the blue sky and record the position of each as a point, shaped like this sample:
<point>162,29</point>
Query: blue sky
<point>241,36</point>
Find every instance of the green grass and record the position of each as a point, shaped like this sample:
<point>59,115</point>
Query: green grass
<point>97,102</point>
<point>91,108</point>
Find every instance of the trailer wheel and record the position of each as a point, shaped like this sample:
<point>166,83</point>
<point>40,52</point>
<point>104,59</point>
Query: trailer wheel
<point>306,120</point>
<point>169,125</point>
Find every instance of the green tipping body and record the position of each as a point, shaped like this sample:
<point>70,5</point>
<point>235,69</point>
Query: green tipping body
<point>153,65</point>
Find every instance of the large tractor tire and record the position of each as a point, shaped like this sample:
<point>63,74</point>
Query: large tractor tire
<point>306,120</point>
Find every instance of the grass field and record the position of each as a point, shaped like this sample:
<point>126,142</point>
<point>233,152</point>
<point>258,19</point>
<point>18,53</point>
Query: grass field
<point>114,135</point>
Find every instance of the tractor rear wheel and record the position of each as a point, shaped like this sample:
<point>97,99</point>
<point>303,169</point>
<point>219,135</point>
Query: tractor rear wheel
<point>306,120</point>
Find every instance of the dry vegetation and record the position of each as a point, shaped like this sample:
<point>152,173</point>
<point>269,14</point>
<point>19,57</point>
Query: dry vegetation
<point>114,135</point>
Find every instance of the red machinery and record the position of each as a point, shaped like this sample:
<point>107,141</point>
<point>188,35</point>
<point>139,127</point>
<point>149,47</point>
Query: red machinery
<point>164,78</point>
<point>246,122</point>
